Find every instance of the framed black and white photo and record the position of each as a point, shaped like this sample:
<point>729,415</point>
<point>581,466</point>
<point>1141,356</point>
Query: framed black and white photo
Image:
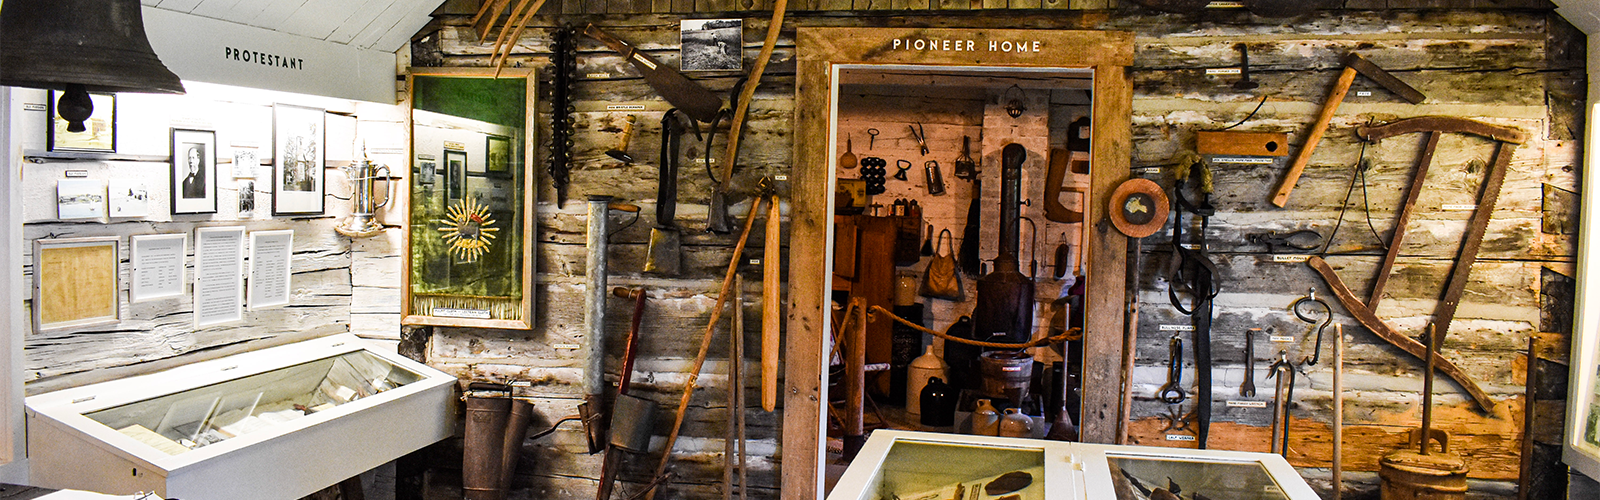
<point>194,171</point>
<point>100,130</point>
<point>497,156</point>
<point>247,197</point>
<point>712,44</point>
<point>455,171</point>
<point>426,172</point>
<point>298,157</point>
<point>80,199</point>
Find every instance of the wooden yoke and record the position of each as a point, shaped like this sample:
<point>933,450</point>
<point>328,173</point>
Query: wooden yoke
<point>1353,63</point>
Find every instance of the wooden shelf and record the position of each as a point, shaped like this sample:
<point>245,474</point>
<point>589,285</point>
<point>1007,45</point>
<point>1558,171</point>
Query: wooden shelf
<point>49,156</point>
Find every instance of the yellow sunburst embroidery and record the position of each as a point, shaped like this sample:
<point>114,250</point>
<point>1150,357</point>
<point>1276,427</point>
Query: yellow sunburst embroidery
<point>468,229</point>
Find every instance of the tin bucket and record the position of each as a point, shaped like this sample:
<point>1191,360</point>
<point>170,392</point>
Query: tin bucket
<point>1006,374</point>
<point>632,420</point>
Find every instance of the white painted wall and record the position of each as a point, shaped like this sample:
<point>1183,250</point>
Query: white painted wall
<point>12,437</point>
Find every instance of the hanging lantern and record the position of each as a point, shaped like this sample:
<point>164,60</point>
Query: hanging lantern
<point>1014,107</point>
<point>79,46</point>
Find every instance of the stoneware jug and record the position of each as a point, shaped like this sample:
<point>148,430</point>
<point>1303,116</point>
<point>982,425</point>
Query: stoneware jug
<point>938,404</point>
<point>985,419</point>
<point>1016,424</point>
<point>926,366</point>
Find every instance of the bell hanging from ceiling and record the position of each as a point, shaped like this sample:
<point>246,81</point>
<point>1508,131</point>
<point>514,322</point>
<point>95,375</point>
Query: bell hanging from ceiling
<point>79,46</point>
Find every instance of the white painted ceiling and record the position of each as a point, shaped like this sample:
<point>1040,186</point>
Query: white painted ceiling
<point>385,25</point>
<point>1585,14</point>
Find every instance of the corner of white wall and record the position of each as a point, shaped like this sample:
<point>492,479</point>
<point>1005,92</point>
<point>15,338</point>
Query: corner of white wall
<point>13,440</point>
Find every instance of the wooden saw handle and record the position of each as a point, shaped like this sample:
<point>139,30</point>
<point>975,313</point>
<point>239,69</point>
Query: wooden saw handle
<point>1313,136</point>
<point>771,307</point>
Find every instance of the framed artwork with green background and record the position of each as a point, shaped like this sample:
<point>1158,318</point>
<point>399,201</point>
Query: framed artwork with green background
<point>469,257</point>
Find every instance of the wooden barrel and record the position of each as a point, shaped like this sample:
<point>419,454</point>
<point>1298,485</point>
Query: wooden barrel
<point>1006,374</point>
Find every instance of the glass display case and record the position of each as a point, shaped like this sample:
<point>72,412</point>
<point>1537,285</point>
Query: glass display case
<point>278,423</point>
<point>909,465</point>
<point>1581,443</point>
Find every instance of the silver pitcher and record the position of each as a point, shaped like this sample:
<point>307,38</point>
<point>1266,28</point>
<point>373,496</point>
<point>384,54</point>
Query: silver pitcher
<point>363,177</point>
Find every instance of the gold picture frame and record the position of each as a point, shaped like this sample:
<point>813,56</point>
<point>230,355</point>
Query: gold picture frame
<point>468,258</point>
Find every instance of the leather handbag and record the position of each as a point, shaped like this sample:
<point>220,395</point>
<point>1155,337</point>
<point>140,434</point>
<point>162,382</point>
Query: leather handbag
<point>942,280</point>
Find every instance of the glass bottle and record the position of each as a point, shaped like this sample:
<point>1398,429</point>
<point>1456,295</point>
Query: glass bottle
<point>938,404</point>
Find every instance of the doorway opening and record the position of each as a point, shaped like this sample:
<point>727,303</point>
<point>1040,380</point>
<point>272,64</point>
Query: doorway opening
<point>989,168</point>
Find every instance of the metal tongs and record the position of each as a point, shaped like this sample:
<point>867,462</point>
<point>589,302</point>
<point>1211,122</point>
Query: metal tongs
<point>921,137</point>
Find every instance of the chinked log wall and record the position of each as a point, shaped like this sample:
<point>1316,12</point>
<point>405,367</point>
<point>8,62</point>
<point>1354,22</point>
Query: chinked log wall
<point>1514,65</point>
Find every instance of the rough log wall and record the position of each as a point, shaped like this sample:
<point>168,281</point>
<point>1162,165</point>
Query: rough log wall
<point>1508,67</point>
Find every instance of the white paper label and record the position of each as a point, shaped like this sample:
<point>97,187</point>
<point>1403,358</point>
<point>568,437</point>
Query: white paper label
<point>33,107</point>
<point>1363,93</point>
<point>1179,437</point>
<point>1247,404</point>
<point>780,177</point>
<point>1458,207</point>
<point>624,107</point>
<point>644,60</point>
<point>1222,71</point>
<point>1290,258</point>
<point>598,75</point>
<point>1225,5</point>
<point>1177,328</point>
<point>74,174</point>
<point>565,346</point>
<point>1252,160</point>
<point>450,312</point>
<point>1281,338</point>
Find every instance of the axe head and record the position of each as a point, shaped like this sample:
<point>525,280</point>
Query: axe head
<point>664,257</point>
<point>717,218</point>
<point>1362,65</point>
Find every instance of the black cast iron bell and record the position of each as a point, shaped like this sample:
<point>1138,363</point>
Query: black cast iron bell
<point>79,46</point>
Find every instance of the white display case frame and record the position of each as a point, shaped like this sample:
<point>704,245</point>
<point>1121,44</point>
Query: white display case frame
<point>1578,452</point>
<point>1076,471</point>
<point>285,461</point>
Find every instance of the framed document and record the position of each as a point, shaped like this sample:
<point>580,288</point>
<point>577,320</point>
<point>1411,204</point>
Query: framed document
<point>157,261</point>
<point>100,130</point>
<point>269,268</point>
<point>218,275</point>
<point>75,283</point>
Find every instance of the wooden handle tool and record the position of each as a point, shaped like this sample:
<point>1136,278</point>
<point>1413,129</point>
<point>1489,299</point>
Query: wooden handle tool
<point>771,306</point>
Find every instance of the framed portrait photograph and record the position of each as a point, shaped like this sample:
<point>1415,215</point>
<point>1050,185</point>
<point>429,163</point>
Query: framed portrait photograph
<point>194,171</point>
<point>100,130</point>
<point>455,171</point>
<point>298,156</point>
<point>497,156</point>
<point>75,283</point>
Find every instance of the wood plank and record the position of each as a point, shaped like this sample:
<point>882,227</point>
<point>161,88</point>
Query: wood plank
<point>1106,264</point>
<point>808,322</point>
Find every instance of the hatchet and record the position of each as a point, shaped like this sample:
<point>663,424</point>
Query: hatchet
<point>1353,63</point>
<point>664,256</point>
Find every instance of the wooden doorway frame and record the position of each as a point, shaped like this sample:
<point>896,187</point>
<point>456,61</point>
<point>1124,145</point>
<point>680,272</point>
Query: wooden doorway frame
<point>820,52</point>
